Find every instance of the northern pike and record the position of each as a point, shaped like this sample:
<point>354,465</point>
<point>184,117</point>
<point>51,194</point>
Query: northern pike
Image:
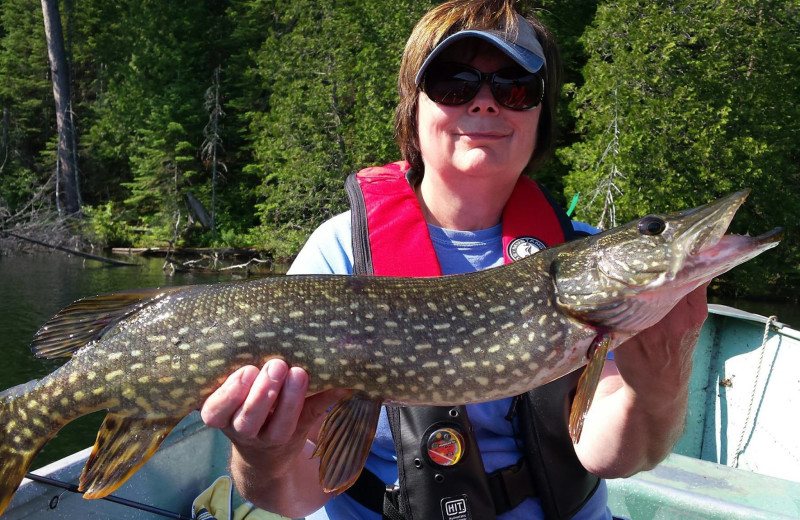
<point>150,357</point>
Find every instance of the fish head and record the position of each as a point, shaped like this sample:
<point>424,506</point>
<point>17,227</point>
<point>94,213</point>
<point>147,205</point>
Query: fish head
<point>629,277</point>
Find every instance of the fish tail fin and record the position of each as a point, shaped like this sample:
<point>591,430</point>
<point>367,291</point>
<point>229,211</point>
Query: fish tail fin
<point>20,440</point>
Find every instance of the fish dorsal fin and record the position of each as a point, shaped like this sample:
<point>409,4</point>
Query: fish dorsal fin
<point>88,319</point>
<point>345,440</point>
<point>123,445</point>
<point>587,385</point>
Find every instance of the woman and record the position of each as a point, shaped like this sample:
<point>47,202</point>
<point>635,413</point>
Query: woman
<point>478,87</point>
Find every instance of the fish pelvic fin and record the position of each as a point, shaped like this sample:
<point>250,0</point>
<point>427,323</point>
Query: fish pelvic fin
<point>21,438</point>
<point>344,441</point>
<point>587,385</point>
<point>89,319</point>
<point>123,445</point>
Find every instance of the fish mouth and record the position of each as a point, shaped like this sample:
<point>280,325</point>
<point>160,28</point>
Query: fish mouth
<point>709,251</point>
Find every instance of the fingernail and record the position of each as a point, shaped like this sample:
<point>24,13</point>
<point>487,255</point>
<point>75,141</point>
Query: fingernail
<point>276,370</point>
<point>247,377</point>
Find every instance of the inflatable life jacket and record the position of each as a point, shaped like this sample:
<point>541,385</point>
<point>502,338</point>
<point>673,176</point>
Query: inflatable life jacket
<point>441,473</point>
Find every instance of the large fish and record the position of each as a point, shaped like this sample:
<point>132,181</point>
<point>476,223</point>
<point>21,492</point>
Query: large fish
<point>152,356</point>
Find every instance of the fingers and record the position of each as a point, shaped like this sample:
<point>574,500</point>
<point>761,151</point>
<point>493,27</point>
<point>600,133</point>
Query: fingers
<point>220,406</point>
<point>249,419</point>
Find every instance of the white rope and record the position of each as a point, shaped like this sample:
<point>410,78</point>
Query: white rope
<point>740,446</point>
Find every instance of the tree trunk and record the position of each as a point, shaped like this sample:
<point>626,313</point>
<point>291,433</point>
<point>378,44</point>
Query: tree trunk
<point>67,197</point>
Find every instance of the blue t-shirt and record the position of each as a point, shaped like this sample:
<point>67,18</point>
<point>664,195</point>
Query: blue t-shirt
<point>329,251</point>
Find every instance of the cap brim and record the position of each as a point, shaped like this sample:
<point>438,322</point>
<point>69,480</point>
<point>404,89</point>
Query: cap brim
<point>527,59</point>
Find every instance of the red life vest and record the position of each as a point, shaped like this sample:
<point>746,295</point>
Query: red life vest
<point>397,233</point>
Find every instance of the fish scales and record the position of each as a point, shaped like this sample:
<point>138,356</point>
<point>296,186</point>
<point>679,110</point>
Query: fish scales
<point>152,356</point>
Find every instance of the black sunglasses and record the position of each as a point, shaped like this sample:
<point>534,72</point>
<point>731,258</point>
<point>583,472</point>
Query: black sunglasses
<point>455,84</point>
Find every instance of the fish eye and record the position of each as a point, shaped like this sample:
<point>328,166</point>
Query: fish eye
<point>652,226</point>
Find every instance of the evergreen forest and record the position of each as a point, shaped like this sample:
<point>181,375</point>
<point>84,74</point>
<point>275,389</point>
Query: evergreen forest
<point>233,123</point>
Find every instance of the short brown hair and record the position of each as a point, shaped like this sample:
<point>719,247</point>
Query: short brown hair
<point>449,18</point>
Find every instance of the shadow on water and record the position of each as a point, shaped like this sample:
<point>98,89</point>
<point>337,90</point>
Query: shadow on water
<point>35,287</point>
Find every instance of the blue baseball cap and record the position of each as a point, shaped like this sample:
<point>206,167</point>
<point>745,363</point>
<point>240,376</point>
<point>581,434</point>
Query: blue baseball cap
<point>522,47</point>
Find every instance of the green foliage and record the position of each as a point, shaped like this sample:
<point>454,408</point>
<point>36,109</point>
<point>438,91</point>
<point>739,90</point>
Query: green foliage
<point>26,106</point>
<point>329,69</point>
<point>102,226</point>
<point>701,95</point>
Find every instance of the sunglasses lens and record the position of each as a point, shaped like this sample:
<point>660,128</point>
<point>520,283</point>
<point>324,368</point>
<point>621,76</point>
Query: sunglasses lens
<point>517,89</point>
<point>451,83</point>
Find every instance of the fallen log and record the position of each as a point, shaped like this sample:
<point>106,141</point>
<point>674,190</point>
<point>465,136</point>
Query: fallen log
<point>71,251</point>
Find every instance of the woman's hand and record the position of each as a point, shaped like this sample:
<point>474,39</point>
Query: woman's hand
<point>640,406</point>
<point>267,416</point>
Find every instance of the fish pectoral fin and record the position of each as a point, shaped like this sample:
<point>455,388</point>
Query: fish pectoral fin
<point>123,445</point>
<point>88,319</point>
<point>345,440</point>
<point>587,385</point>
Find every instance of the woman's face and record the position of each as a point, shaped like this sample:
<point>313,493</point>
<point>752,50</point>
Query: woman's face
<point>480,138</point>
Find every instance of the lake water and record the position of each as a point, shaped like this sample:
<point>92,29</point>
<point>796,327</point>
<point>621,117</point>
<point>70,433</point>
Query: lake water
<point>34,288</point>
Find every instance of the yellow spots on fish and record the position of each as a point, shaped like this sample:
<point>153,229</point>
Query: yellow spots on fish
<point>238,334</point>
<point>436,380</point>
<point>338,323</point>
<point>499,368</point>
<point>255,318</point>
<point>64,402</point>
<point>456,351</point>
<point>483,381</point>
<point>469,364</point>
<point>79,395</point>
<point>320,361</point>
<point>391,324</point>
<point>541,348</point>
<point>200,380</point>
<point>479,331</point>
<point>543,319</point>
<point>129,392</point>
<point>99,390</point>
<point>373,366</point>
<point>265,334</point>
<point>423,346</point>
<point>381,380</point>
<point>213,347</point>
<point>245,356</point>
<point>306,337</point>
<point>208,330</point>
<point>533,366</point>
<point>183,330</point>
<point>166,379</point>
<point>114,356</point>
<point>432,306</point>
<point>494,348</point>
<point>389,342</point>
<point>497,308</point>
<point>233,321</point>
<point>176,393</point>
<point>216,363</point>
<point>156,339</point>
<point>441,326</point>
<point>296,314</point>
<point>115,374</point>
<point>411,373</point>
<point>144,380</point>
<point>527,309</point>
<point>73,377</point>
